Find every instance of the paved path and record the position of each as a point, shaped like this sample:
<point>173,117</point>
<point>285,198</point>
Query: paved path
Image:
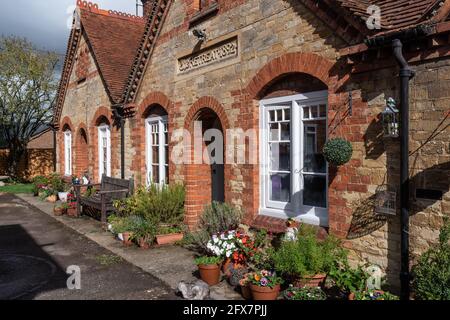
<point>170,264</point>
<point>35,251</point>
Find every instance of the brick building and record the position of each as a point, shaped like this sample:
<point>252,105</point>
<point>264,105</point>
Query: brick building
<point>296,72</point>
<point>38,159</point>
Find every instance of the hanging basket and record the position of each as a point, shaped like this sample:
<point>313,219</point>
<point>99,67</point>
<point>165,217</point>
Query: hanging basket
<point>338,151</point>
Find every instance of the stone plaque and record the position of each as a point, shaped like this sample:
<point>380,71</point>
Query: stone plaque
<point>225,50</point>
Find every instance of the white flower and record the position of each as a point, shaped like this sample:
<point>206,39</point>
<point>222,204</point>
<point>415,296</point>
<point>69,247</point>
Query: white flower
<point>228,254</point>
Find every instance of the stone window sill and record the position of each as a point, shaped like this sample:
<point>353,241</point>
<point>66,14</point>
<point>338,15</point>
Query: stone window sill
<point>204,14</point>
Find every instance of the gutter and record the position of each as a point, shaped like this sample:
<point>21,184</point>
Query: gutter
<point>406,74</point>
<point>118,112</point>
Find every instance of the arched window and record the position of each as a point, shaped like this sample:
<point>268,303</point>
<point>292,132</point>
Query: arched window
<point>157,147</point>
<point>104,150</point>
<point>67,153</point>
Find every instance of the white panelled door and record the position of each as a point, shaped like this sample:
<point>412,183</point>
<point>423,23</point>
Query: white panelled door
<point>104,151</point>
<point>157,150</point>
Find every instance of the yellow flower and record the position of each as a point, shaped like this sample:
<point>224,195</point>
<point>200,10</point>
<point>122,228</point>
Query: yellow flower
<point>257,277</point>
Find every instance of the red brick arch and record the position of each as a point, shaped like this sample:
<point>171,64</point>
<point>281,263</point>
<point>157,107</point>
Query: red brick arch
<point>155,98</point>
<point>102,112</point>
<point>299,62</point>
<point>209,103</point>
<point>67,122</point>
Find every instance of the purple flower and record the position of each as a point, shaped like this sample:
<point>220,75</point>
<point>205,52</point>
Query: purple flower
<point>264,282</point>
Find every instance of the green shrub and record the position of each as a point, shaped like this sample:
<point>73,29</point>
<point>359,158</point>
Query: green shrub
<point>349,280</point>
<point>159,205</point>
<point>208,260</point>
<point>216,218</point>
<point>432,272</point>
<point>338,151</point>
<point>307,256</point>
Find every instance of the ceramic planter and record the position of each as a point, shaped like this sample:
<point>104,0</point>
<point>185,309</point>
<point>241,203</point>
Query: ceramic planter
<point>127,239</point>
<point>169,238</point>
<point>210,273</point>
<point>63,196</point>
<point>264,293</point>
<point>311,282</point>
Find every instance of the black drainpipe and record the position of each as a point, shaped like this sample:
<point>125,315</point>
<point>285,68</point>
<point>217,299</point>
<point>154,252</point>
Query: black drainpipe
<point>118,115</point>
<point>406,74</point>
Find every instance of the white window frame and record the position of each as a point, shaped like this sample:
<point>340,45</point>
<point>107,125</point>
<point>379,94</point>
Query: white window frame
<point>162,122</point>
<point>295,208</point>
<point>68,153</point>
<point>104,131</point>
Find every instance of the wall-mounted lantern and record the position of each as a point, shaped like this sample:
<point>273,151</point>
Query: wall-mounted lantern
<point>385,201</point>
<point>390,119</point>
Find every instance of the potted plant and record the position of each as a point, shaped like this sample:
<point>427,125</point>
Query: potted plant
<point>169,235</point>
<point>348,280</point>
<point>307,260</point>
<point>58,210</point>
<point>143,231</point>
<point>63,192</point>
<point>244,285</point>
<point>293,293</point>
<point>209,269</point>
<point>372,295</point>
<point>265,285</point>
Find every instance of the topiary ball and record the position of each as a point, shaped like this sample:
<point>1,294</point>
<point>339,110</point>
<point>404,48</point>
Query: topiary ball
<point>338,151</point>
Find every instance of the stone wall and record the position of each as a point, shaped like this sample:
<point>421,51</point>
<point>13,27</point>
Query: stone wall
<point>86,102</point>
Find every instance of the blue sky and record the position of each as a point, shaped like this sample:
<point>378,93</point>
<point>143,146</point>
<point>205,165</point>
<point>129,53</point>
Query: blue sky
<point>44,22</point>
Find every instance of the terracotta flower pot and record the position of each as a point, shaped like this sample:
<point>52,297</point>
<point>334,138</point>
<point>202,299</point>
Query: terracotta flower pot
<point>58,211</point>
<point>311,282</point>
<point>72,212</point>
<point>246,292</point>
<point>127,239</point>
<point>265,293</point>
<point>169,238</point>
<point>210,273</point>
<point>143,244</point>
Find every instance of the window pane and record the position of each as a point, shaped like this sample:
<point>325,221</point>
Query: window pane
<point>167,155</point>
<point>274,132</point>
<point>305,112</point>
<point>280,187</point>
<point>314,193</point>
<point>313,111</point>
<point>285,131</point>
<point>280,156</point>
<point>155,155</point>
<point>272,115</point>
<point>287,114</point>
<point>167,174</point>
<point>314,140</point>
<point>155,173</point>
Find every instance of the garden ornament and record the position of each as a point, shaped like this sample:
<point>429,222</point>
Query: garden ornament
<point>198,290</point>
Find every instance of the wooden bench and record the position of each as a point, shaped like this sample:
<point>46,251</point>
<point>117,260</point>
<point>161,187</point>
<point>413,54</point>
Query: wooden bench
<point>111,189</point>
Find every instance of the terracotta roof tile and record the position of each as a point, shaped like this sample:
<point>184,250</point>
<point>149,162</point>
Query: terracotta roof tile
<point>114,39</point>
<point>395,14</point>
